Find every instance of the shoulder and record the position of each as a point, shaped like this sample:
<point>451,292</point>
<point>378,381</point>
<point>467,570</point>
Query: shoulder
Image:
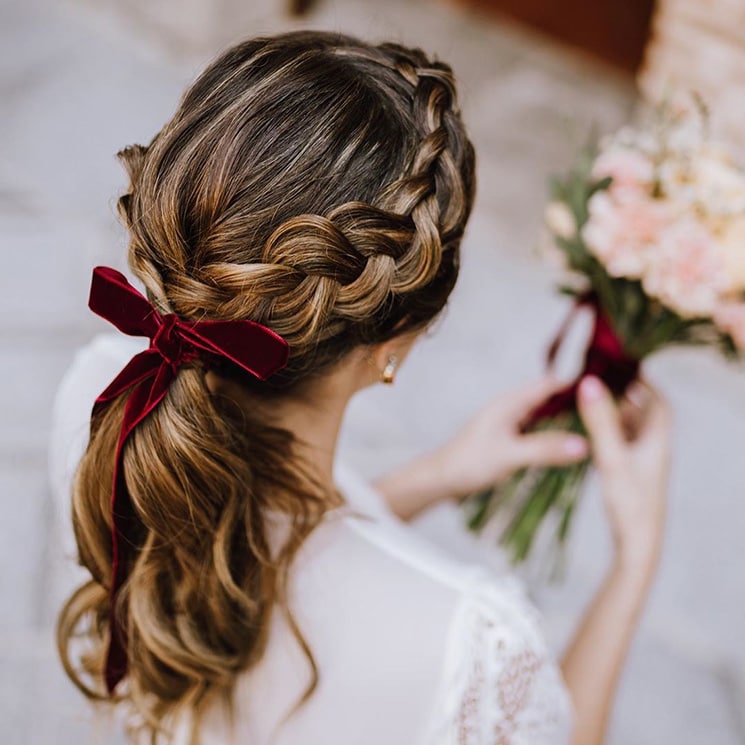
<point>469,641</point>
<point>366,540</point>
<point>364,553</point>
<point>367,559</point>
<point>379,580</point>
<point>362,564</point>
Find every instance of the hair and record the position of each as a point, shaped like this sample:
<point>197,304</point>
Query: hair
<point>315,184</point>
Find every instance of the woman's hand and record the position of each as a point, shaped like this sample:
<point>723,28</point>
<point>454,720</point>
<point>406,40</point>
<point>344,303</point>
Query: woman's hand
<point>487,450</point>
<point>491,446</point>
<point>631,450</point>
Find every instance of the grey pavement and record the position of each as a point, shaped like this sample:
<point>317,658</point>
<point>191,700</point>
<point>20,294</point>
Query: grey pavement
<point>78,82</point>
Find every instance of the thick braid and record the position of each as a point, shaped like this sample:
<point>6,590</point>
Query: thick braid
<point>305,294</point>
<point>319,272</point>
<point>418,194</point>
<point>316,275</point>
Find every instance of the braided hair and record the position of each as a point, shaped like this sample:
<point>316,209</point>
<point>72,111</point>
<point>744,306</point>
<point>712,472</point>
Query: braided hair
<point>320,186</point>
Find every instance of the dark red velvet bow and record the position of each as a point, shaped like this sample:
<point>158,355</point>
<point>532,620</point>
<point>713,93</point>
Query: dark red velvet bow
<point>605,358</point>
<point>173,343</point>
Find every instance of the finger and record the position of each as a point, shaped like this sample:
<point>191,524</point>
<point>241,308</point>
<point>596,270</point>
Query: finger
<point>658,416</point>
<point>632,410</point>
<point>550,449</point>
<point>601,418</point>
<point>631,418</point>
<point>638,394</point>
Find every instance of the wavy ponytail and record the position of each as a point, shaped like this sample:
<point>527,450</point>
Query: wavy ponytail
<point>319,186</point>
<point>205,579</point>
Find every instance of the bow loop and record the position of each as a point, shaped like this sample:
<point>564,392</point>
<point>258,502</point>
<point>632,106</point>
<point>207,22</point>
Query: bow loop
<point>605,358</point>
<point>115,300</point>
<point>173,343</point>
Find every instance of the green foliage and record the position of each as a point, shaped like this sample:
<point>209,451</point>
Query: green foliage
<point>531,494</point>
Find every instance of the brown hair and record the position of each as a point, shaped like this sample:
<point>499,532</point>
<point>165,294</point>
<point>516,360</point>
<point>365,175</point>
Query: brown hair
<point>320,186</point>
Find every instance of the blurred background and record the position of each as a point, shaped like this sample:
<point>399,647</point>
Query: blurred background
<point>82,78</point>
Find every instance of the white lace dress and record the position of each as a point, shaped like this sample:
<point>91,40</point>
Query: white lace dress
<point>413,647</point>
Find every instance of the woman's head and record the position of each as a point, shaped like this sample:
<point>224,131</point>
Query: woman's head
<point>309,182</point>
<point>319,186</point>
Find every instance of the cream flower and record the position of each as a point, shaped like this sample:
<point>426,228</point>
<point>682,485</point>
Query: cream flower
<point>720,186</point>
<point>560,220</point>
<point>675,179</point>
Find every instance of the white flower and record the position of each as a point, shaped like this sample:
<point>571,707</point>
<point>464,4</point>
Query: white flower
<point>675,179</point>
<point>720,186</point>
<point>560,220</point>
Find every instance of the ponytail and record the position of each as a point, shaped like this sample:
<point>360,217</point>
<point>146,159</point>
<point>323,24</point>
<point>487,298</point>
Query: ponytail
<point>202,476</point>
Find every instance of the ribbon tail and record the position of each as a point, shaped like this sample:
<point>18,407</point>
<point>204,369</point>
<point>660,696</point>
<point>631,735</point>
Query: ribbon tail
<point>143,365</point>
<point>558,403</point>
<point>580,302</point>
<point>124,522</point>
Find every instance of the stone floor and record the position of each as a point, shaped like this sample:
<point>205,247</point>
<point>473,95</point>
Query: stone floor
<point>76,84</point>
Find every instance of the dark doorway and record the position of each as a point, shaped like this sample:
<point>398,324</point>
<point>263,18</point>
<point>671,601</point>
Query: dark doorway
<point>614,30</point>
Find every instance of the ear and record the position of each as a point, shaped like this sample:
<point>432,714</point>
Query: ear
<point>394,350</point>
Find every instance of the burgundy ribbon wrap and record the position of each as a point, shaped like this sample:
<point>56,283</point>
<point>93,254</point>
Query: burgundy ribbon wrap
<point>605,358</point>
<point>173,343</point>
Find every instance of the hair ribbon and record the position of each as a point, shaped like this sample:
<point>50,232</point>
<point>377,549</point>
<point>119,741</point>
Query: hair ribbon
<point>173,343</point>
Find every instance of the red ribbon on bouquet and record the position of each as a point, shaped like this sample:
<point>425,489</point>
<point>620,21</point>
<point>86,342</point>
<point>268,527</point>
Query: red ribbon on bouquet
<point>173,343</point>
<point>605,358</point>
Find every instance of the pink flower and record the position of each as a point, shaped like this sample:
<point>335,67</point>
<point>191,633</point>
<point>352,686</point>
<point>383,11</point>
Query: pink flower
<point>632,172</point>
<point>622,233</point>
<point>730,317</point>
<point>686,269</point>
<point>732,239</point>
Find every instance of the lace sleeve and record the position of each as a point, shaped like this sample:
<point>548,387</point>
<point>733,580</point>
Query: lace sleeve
<point>501,685</point>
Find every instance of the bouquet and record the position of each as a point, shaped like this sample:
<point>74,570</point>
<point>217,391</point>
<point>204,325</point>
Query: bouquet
<point>650,226</point>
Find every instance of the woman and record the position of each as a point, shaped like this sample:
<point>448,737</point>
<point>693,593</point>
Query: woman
<point>307,201</point>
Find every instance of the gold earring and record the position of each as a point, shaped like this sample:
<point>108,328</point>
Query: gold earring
<point>389,372</point>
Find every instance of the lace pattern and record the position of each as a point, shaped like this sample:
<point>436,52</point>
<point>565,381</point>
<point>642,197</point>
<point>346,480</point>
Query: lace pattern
<point>503,686</point>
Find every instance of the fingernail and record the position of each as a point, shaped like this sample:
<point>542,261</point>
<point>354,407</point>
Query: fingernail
<point>636,394</point>
<point>575,447</point>
<point>590,388</point>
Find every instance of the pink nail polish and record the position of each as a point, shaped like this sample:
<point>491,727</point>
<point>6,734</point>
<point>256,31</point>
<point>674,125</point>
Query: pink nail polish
<point>590,388</point>
<point>575,447</point>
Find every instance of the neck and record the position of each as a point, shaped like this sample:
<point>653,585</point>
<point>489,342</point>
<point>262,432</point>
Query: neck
<point>313,415</point>
<point>315,420</point>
